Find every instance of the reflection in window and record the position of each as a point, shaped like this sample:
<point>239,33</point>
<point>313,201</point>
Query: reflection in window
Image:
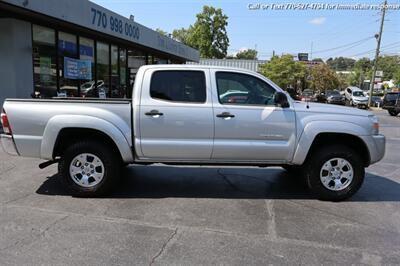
<point>103,66</point>
<point>237,88</point>
<point>122,71</point>
<point>115,88</point>
<point>178,86</point>
<point>67,48</point>
<point>86,52</point>
<point>44,62</point>
<point>136,59</point>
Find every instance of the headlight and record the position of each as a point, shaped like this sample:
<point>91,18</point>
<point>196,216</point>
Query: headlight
<point>375,124</point>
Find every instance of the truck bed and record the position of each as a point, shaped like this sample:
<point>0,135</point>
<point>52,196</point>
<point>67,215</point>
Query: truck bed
<point>30,117</point>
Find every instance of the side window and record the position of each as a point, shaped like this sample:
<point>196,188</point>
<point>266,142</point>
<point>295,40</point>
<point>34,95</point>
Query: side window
<point>179,86</point>
<point>237,88</point>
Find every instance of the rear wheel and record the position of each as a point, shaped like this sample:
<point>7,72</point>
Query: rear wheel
<point>393,112</point>
<point>334,173</point>
<point>89,168</point>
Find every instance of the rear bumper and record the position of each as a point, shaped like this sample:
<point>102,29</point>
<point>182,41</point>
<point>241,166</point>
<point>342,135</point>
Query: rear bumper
<point>8,144</point>
<point>376,146</point>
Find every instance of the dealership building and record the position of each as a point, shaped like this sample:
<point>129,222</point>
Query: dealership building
<point>75,48</point>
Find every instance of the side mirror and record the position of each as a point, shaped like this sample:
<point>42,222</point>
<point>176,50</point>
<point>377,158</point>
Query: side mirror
<point>281,100</point>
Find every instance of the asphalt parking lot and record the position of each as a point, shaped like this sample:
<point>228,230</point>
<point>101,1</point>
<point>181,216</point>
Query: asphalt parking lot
<point>200,216</point>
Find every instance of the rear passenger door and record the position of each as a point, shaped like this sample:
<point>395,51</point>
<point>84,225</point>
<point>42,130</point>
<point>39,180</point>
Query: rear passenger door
<point>176,116</point>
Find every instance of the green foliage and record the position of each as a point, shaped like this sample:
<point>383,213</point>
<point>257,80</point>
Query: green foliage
<point>247,54</point>
<point>390,65</point>
<point>323,78</point>
<point>181,35</point>
<point>284,71</point>
<point>162,32</point>
<point>208,34</point>
<point>341,63</point>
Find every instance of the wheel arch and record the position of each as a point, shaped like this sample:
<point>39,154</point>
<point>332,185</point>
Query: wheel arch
<point>63,130</point>
<point>318,134</point>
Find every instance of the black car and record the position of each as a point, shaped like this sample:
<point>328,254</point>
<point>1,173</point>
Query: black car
<point>391,102</point>
<point>334,97</point>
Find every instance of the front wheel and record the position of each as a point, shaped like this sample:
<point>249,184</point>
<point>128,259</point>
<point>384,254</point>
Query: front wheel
<point>89,168</point>
<point>393,112</point>
<point>334,173</point>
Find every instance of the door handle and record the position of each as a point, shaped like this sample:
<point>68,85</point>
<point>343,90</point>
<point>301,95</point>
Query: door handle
<point>154,113</point>
<point>225,115</point>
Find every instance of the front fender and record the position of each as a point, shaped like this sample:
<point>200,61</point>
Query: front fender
<point>312,129</point>
<point>59,122</point>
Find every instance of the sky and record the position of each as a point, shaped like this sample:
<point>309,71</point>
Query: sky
<point>325,33</point>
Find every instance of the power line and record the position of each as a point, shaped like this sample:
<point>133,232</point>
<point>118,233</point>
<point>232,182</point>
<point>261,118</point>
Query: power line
<point>345,45</point>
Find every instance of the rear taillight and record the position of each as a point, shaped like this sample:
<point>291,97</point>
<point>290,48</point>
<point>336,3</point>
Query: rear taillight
<point>5,122</point>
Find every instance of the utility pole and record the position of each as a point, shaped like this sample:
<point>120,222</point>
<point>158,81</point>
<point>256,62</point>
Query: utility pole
<point>378,46</point>
<point>311,51</point>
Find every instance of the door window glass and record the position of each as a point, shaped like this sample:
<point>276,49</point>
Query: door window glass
<point>237,88</point>
<point>179,86</point>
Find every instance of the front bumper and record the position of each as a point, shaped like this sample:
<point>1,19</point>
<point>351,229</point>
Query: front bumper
<point>376,146</point>
<point>8,144</point>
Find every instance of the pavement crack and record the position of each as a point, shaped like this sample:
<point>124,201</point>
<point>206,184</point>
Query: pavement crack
<point>159,253</point>
<point>43,232</point>
<point>271,229</point>
<point>16,199</point>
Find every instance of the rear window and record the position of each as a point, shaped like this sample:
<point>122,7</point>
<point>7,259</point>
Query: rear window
<point>391,96</point>
<point>179,86</point>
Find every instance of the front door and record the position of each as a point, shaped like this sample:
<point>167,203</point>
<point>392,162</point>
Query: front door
<point>176,116</point>
<point>248,125</point>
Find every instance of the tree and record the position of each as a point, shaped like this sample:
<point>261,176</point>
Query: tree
<point>341,63</point>
<point>389,65</point>
<point>318,60</point>
<point>181,35</point>
<point>162,32</point>
<point>247,54</point>
<point>208,34</point>
<point>323,78</point>
<point>284,71</point>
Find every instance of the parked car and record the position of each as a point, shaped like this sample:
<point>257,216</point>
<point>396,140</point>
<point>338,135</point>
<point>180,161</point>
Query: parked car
<point>391,103</point>
<point>308,96</point>
<point>355,97</point>
<point>320,97</point>
<point>334,97</point>
<point>176,116</point>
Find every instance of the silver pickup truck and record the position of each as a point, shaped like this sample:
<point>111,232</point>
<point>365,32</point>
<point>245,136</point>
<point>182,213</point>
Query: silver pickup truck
<point>198,115</point>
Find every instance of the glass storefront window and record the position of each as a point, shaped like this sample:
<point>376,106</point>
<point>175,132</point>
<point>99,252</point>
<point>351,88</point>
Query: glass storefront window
<point>102,71</point>
<point>86,53</point>
<point>116,91</point>
<point>122,72</point>
<point>136,59</point>
<point>67,48</point>
<point>44,62</point>
<point>157,60</point>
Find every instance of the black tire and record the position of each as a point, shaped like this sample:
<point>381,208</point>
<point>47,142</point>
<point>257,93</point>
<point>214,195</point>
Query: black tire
<point>393,112</point>
<point>317,160</point>
<point>110,159</point>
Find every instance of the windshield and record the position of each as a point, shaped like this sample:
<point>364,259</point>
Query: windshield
<point>332,93</point>
<point>358,93</point>
<point>391,96</point>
